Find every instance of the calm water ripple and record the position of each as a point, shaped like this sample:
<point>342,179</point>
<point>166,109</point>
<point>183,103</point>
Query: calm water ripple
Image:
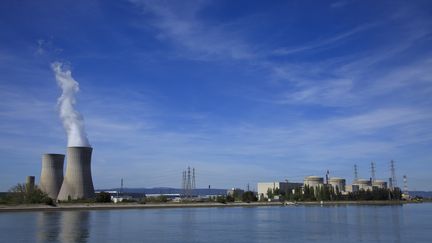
<point>407,223</point>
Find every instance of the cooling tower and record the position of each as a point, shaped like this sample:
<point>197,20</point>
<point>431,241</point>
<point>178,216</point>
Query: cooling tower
<point>77,183</point>
<point>52,174</point>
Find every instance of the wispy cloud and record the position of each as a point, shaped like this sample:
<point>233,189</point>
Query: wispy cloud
<point>325,42</point>
<point>178,22</point>
<point>340,4</point>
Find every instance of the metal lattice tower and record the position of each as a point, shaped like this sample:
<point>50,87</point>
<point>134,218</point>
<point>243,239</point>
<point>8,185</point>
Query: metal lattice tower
<point>193,179</point>
<point>184,183</point>
<point>373,171</point>
<point>188,182</point>
<point>355,174</point>
<point>393,175</point>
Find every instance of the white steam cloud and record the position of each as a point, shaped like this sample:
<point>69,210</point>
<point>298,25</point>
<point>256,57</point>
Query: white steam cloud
<point>72,120</point>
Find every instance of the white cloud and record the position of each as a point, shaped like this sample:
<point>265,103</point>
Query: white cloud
<point>178,22</point>
<point>325,42</point>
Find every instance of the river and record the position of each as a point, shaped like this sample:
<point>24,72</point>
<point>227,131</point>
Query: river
<point>342,223</point>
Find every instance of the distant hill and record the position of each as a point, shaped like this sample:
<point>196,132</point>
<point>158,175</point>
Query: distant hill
<point>424,194</point>
<point>168,190</point>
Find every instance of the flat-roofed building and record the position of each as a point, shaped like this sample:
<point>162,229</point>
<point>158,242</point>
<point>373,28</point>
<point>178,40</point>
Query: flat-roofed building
<point>282,187</point>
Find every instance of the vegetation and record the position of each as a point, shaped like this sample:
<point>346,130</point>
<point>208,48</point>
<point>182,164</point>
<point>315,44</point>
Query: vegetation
<point>236,195</point>
<point>103,197</point>
<point>221,199</point>
<point>249,196</point>
<point>158,199</point>
<point>230,198</point>
<point>328,193</point>
<point>22,194</point>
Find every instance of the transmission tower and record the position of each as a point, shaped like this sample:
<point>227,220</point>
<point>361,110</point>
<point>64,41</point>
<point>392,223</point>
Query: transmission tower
<point>193,179</point>
<point>373,171</point>
<point>188,182</point>
<point>393,175</point>
<point>355,174</point>
<point>184,183</point>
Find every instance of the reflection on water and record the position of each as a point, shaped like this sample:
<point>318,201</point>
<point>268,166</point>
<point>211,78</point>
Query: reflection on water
<point>48,225</point>
<point>74,226</point>
<point>336,224</point>
<point>64,227</point>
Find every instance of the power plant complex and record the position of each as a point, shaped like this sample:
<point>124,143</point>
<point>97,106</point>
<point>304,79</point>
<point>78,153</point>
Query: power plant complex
<point>336,183</point>
<point>77,182</point>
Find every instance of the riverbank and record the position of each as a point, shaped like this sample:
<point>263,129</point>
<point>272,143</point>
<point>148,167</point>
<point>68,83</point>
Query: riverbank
<point>111,206</point>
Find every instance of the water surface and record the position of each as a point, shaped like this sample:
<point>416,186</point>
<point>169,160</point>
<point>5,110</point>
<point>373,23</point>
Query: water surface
<point>343,223</point>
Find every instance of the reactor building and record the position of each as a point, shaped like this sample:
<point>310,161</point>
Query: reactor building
<point>77,183</point>
<point>51,178</point>
<point>337,183</point>
<point>314,181</point>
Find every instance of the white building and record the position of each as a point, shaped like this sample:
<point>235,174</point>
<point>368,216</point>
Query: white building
<point>314,181</point>
<point>283,187</point>
<point>363,184</point>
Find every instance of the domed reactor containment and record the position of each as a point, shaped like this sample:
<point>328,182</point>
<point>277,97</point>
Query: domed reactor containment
<point>77,183</point>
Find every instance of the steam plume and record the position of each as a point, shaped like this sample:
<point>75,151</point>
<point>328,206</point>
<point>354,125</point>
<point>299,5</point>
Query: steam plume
<point>72,120</point>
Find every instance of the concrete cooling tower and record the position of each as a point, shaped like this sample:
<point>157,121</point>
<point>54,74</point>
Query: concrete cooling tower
<point>77,183</point>
<point>52,174</point>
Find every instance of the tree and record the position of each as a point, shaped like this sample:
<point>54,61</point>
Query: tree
<point>22,194</point>
<point>269,193</point>
<point>249,196</point>
<point>103,197</point>
<point>230,198</point>
<point>221,199</point>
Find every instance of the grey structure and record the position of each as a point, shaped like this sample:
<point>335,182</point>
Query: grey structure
<point>337,183</point>
<point>30,183</point>
<point>284,187</point>
<point>379,184</point>
<point>52,174</point>
<point>314,181</point>
<point>364,184</point>
<point>77,183</point>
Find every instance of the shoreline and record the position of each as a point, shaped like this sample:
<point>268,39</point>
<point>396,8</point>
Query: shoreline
<point>112,206</point>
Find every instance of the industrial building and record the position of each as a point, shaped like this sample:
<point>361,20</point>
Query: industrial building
<point>365,184</point>
<point>51,178</point>
<point>285,187</point>
<point>362,184</point>
<point>235,192</point>
<point>77,183</point>
<point>380,184</point>
<point>313,181</point>
<point>337,183</point>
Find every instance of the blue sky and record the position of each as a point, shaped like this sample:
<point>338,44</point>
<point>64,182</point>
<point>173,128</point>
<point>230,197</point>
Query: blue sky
<point>244,91</point>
